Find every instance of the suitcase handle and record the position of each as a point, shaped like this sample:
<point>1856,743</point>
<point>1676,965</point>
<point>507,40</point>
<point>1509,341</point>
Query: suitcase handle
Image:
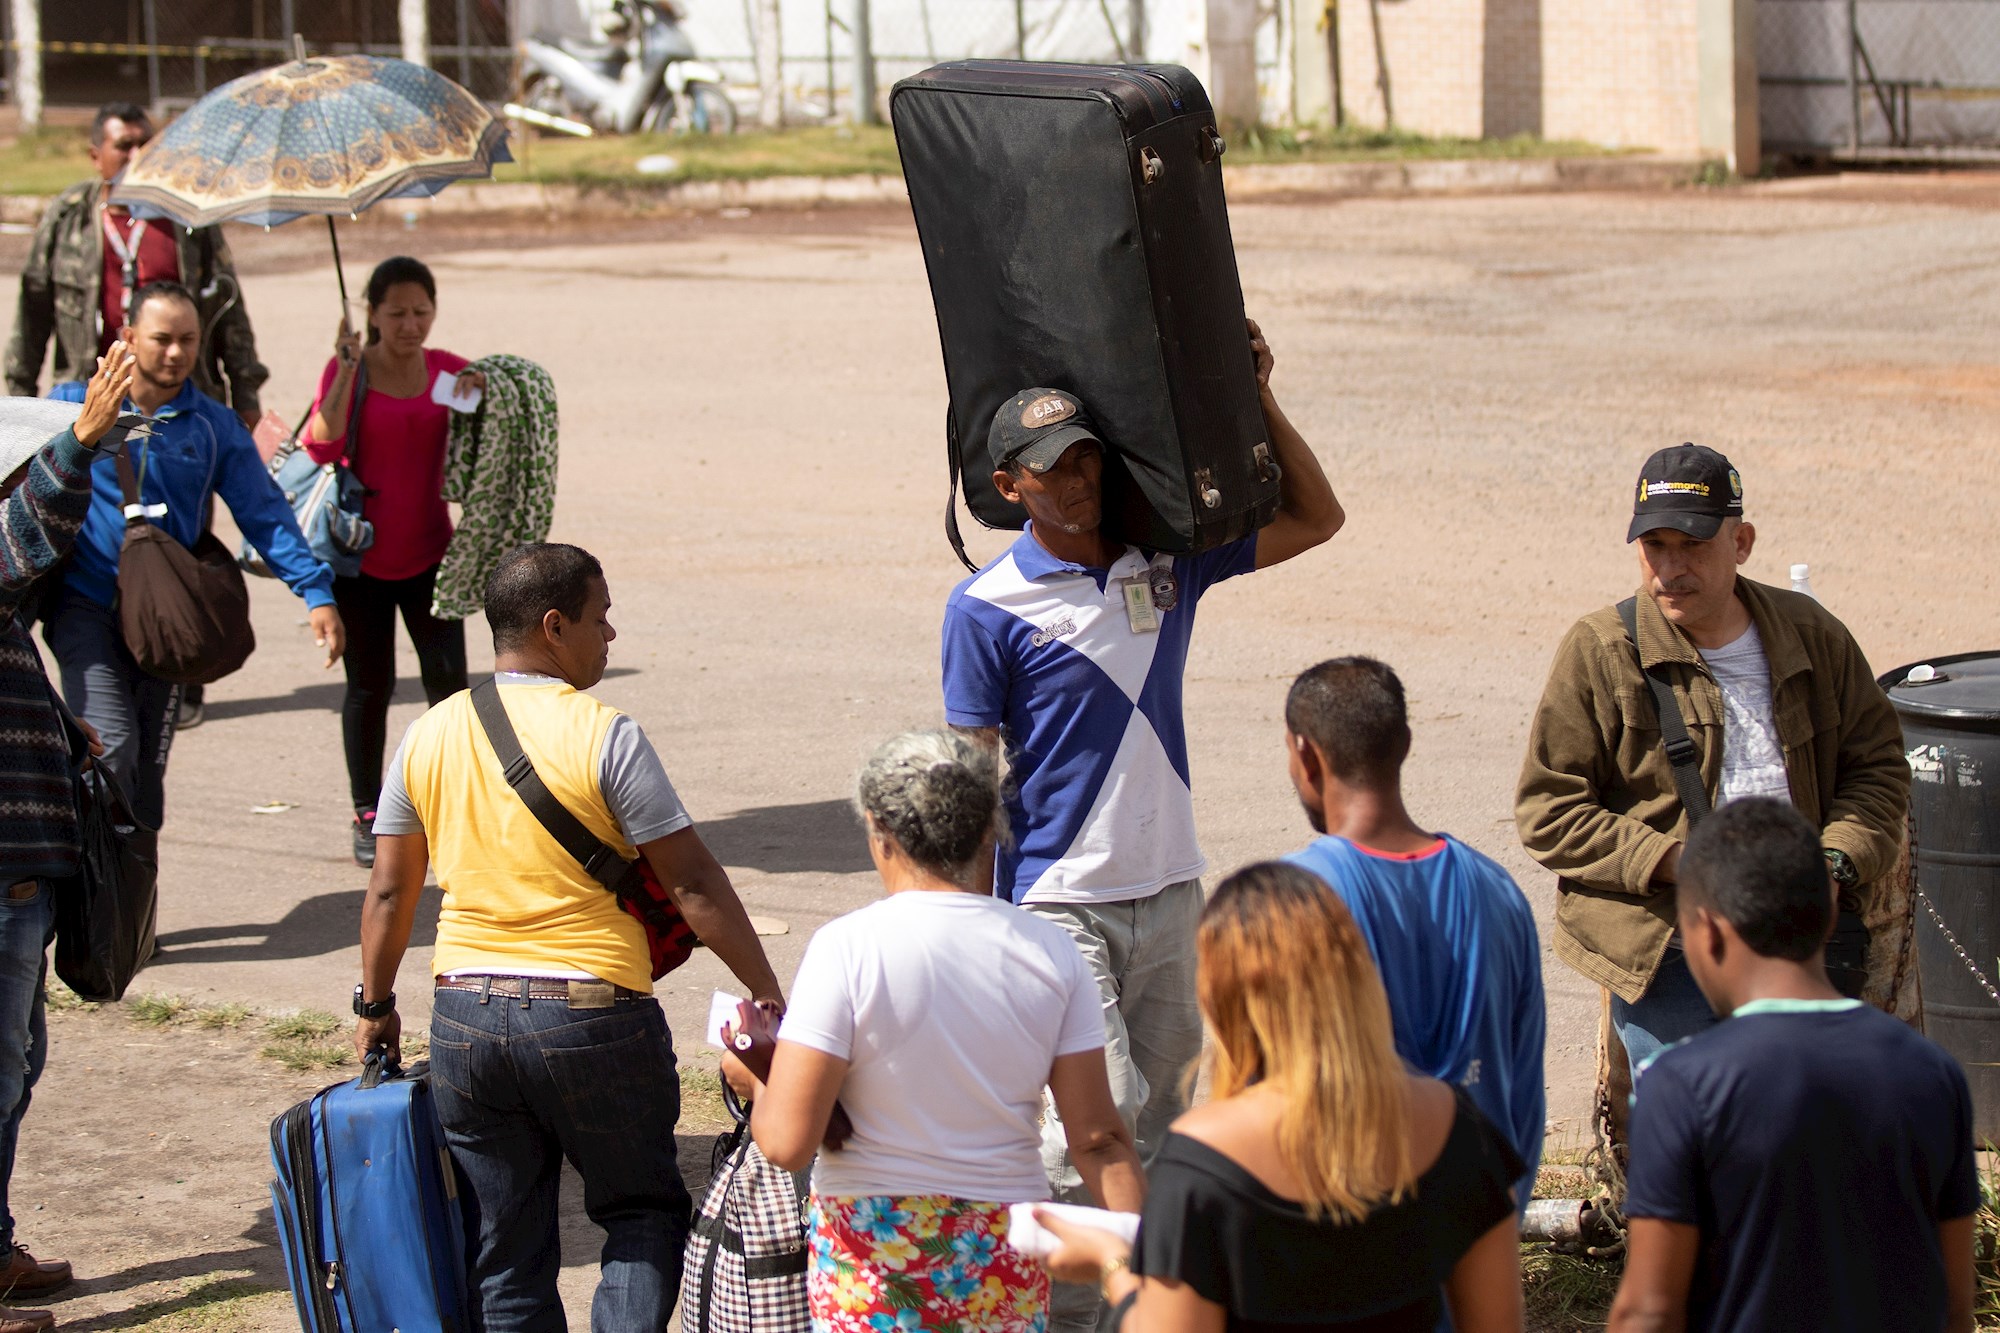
<point>377,1065</point>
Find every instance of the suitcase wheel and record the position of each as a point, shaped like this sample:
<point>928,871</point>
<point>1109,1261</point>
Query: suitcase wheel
<point>1204,485</point>
<point>1151,168</point>
<point>1268,468</point>
<point>1213,145</point>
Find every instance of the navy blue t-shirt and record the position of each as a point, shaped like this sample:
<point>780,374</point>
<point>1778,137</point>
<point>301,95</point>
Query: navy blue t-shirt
<point>1817,1145</point>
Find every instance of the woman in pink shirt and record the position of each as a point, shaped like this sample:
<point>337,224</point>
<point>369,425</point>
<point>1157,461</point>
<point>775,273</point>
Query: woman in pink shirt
<point>395,444</point>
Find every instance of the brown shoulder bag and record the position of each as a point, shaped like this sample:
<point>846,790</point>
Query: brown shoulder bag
<point>185,613</point>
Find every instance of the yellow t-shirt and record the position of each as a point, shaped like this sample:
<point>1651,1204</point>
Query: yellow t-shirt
<point>513,898</point>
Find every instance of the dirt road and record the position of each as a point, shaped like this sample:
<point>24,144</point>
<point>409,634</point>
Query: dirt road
<point>752,414</point>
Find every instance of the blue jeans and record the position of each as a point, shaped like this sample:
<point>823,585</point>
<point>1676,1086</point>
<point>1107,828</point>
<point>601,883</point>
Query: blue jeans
<point>1672,1009</point>
<point>521,1085</point>
<point>26,925</point>
<point>132,709</point>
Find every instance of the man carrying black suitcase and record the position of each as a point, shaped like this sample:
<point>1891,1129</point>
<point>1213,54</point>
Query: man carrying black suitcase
<point>1071,647</point>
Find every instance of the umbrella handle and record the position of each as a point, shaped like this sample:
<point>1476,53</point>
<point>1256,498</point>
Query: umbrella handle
<point>338,272</point>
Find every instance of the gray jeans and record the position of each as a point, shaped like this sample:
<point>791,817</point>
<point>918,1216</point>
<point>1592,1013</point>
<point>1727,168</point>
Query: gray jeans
<point>1142,954</point>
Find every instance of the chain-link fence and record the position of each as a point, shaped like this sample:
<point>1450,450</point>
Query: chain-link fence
<point>1879,78</point>
<point>166,53</point>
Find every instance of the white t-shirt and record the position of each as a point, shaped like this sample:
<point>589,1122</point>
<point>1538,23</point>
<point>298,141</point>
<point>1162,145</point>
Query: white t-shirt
<point>950,1008</point>
<point>1753,761</point>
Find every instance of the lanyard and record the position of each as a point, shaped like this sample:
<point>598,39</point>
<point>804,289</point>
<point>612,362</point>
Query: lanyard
<point>127,251</point>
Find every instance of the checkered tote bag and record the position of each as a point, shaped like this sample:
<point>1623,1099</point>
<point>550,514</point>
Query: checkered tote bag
<point>747,1256</point>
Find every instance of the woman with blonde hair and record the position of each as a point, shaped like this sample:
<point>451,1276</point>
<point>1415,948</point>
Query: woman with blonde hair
<point>1323,1186</point>
<point>936,1017</point>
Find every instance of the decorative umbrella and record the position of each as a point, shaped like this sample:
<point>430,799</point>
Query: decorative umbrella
<point>322,135</point>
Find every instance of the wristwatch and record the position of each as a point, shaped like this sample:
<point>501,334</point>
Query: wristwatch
<point>374,1008</point>
<point>1842,866</point>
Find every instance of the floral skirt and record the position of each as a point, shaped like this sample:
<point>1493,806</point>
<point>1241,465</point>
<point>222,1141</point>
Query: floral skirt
<point>926,1262</point>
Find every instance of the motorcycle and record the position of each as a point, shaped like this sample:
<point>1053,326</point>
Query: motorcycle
<point>655,88</point>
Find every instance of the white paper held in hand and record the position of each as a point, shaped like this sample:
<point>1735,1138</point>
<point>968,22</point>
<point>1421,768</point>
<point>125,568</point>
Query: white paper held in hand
<point>444,392</point>
<point>1030,1237</point>
<point>721,1009</point>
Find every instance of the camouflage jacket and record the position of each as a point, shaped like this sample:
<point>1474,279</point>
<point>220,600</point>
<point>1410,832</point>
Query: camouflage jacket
<point>61,294</point>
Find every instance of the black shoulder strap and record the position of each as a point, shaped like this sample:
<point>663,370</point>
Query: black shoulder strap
<point>354,412</point>
<point>951,496</point>
<point>603,862</point>
<point>1681,752</point>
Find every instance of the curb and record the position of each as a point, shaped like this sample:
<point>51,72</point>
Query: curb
<point>1253,182</point>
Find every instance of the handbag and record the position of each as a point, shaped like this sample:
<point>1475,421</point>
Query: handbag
<point>669,939</point>
<point>105,912</point>
<point>748,1251</point>
<point>326,498</point>
<point>184,611</point>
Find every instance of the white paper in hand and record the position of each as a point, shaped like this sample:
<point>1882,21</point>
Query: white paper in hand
<point>444,392</point>
<point>1028,1236</point>
<point>721,1010</point>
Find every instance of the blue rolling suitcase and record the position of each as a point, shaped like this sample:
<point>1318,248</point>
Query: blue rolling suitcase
<point>367,1208</point>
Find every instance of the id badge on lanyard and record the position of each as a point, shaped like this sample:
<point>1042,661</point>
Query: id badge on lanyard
<point>127,250</point>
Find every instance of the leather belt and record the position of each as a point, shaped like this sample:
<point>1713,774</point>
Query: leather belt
<point>576,994</point>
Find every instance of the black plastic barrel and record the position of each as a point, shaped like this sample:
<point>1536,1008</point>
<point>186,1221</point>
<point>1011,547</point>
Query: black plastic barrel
<point>1951,733</point>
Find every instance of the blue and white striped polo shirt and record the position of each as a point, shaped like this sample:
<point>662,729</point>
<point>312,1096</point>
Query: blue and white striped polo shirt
<point>1090,710</point>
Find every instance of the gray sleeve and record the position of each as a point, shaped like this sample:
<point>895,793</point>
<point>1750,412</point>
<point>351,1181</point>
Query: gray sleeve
<point>635,785</point>
<point>394,813</point>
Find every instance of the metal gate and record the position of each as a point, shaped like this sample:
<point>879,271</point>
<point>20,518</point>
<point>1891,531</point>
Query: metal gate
<point>1879,79</point>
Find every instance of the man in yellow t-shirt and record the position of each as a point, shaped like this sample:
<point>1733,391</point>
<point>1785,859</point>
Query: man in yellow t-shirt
<point>546,1042</point>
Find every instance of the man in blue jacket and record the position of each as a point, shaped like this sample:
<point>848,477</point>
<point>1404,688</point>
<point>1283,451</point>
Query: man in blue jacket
<point>1451,932</point>
<point>198,449</point>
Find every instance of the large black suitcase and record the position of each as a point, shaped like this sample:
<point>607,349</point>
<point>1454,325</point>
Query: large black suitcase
<point>1076,237</point>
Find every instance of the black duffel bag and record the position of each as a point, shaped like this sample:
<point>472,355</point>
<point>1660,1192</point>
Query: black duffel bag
<point>104,913</point>
<point>185,613</point>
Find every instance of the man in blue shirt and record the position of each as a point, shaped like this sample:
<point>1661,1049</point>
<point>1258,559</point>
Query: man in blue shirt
<point>1808,1162</point>
<point>1071,647</point>
<point>1452,934</point>
<point>198,450</point>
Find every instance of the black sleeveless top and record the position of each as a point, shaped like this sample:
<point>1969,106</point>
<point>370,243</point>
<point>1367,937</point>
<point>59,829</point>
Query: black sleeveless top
<point>1213,1225</point>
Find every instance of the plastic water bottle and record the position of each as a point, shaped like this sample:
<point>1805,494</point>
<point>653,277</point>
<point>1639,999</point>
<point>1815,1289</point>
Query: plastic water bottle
<point>1801,582</point>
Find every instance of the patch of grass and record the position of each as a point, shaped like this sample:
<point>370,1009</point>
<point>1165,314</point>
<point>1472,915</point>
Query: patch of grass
<point>613,160</point>
<point>1354,143</point>
<point>219,1305</point>
<point>1986,1246</point>
<point>48,161</point>
<point>62,1000</point>
<point>1562,1291</point>
<point>307,1040</point>
<point>229,1014</point>
<point>701,1097</point>
<point>160,1011</point>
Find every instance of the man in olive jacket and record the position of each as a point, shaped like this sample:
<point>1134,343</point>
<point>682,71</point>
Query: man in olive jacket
<point>84,246</point>
<point>1778,701</point>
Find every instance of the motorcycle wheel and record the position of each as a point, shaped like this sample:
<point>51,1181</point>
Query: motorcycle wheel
<point>703,109</point>
<point>544,93</point>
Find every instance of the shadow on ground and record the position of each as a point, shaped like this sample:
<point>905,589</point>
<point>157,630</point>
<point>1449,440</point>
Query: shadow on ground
<point>822,836</point>
<point>218,1276</point>
<point>321,925</point>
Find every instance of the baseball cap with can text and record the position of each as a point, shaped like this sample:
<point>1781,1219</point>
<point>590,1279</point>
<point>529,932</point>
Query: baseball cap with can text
<point>1688,488</point>
<point>1036,426</point>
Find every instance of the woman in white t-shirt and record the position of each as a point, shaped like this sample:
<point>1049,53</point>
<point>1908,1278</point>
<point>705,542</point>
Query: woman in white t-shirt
<point>936,1017</point>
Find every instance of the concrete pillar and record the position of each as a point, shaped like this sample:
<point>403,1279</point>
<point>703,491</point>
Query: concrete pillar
<point>770,66</point>
<point>1727,50</point>
<point>414,19</point>
<point>1222,51</point>
<point>27,88</point>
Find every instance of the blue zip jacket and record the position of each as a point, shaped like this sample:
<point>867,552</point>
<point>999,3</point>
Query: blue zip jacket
<point>199,449</point>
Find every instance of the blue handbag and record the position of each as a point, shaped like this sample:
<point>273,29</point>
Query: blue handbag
<point>325,497</point>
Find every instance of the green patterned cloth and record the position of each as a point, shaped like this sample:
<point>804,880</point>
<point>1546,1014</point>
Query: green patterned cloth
<point>501,467</point>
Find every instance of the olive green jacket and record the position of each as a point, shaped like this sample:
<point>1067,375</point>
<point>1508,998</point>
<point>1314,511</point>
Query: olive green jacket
<point>1597,803</point>
<point>62,285</point>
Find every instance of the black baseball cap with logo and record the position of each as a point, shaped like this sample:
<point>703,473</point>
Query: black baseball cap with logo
<point>1036,427</point>
<point>1688,488</point>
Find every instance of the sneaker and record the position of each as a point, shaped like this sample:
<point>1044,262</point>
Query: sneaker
<point>25,1275</point>
<point>190,712</point>
<point>364,839</point>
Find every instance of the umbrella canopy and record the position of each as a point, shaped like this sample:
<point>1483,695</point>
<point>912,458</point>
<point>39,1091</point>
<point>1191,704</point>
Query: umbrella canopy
<point>321,135</point>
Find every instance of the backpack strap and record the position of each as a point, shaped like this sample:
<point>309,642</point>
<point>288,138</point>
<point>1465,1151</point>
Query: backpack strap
<point>1681,751</point>
<point>602,861</point>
